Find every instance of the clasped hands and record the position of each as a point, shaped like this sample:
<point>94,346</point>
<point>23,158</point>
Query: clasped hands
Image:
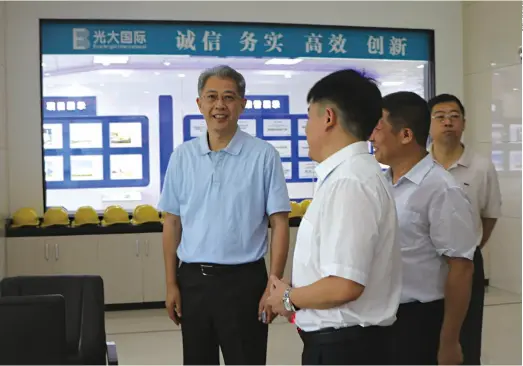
<point>272,300</point>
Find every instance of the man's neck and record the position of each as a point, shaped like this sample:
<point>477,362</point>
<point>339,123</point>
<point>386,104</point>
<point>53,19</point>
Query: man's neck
<point>447,154</point>
<point>404,165</point>
<point>219,141</point>
<point>336,145</point>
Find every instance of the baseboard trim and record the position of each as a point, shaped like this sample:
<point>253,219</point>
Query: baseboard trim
<point>135,306</point>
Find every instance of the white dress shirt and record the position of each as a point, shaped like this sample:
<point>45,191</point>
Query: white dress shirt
<point>350,231</point>
<point>435,220</point>
<point>479,180</point>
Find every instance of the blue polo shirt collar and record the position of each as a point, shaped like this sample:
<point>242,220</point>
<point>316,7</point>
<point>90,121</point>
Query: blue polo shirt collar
<point>234,147</point>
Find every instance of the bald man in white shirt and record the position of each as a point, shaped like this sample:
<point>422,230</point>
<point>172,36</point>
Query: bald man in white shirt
<point>479,179</point>
<point>346,278</point>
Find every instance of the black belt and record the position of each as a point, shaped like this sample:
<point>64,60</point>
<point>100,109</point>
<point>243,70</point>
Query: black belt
<point>214,269</point>
<point>436,304</point>
<point>337,335</point>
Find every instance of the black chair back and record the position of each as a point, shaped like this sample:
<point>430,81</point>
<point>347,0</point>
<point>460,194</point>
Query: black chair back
<point>84,311</point>
<point>32,330</point>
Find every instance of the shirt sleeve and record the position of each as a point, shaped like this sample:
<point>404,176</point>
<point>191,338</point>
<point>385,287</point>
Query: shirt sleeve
<point>275,185</point>
<point>452,229</point>
<point>349,230</point>
<point>492,207</point>
<point>169,201</point>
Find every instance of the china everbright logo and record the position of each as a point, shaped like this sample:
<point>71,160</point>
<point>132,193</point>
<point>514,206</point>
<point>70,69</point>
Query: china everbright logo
<point>81,39</point>
<point>102,39</point>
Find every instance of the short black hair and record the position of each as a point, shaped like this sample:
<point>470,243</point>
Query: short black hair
<point>409,110</point>
<point>446,98</point>
<point>357,98</point>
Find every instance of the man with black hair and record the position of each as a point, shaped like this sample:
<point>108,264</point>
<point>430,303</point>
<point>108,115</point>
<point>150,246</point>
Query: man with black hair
<point>346,276</point>
<point>437,237</point>
<point>221,192</point>
<point>478,178</point>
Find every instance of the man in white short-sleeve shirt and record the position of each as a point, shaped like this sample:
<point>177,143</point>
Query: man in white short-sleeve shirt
<point>479,179</point>
<point>437,237</point>
<point>346,278</point>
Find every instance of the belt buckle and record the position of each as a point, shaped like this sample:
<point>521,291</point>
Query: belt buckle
<point>203,267</point>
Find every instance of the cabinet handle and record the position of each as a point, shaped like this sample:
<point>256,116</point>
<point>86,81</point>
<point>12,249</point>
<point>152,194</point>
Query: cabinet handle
<point>46,251</point>
<point>56,253</point>
<point>147,248</point>
<point>137,247</point>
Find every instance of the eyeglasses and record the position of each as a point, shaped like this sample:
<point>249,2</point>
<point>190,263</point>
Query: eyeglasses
<point>226,99</point>
<point>453,117</point>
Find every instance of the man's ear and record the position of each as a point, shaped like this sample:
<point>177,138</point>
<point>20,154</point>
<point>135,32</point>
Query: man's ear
<point>330,118</point>
<point>406,135</point>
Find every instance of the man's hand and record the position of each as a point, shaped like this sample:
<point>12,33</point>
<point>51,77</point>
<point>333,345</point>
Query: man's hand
<point>289,316</point>
<point>275,300</point>
<point>173,303</point>
<point>263,306</point>
<point>450,353</point>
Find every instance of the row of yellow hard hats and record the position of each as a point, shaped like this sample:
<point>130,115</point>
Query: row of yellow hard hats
<point>86,215</point>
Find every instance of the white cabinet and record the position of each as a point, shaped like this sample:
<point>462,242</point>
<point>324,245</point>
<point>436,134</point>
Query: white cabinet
<point>28,256</point>
<point>51,255</point>
<point>131,265</point>
<point>132,268</point>
<point>153,267</point>
<point>73,255</point>
<point>120,267</point>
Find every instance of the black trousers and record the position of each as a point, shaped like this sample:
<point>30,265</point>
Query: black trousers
<point>345,346</point>
<point>415,334</point>
<point>220,310</point>
<point>473,324</point>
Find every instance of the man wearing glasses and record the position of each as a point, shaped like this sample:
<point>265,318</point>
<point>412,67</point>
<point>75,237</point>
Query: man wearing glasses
<point>478,178</point>
<point>220,193</point>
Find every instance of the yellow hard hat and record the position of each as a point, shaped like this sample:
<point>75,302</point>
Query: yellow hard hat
<point>55,216</point>
<point>115,215</point>
<point>304,205</point>
<point>85,215</point>
<point>295,210</point>
<point>25,216</point>
<point>144,214</point>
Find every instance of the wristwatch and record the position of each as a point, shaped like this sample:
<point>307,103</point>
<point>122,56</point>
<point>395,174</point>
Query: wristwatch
<point>287,303</point>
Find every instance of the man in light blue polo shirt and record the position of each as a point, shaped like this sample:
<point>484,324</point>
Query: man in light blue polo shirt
<point>220,193</point>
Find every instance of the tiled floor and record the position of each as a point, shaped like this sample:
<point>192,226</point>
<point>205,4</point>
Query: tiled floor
<point>148,337</point>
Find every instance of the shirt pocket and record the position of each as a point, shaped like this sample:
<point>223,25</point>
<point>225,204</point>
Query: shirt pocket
<point>304,240</point>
